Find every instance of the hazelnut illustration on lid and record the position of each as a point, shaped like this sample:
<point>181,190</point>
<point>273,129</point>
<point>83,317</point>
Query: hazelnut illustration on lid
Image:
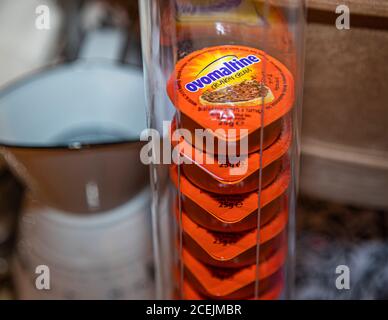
<point>233,250</point>
<point>209,173</point>
<point>224,88</point>
<point>231,213</point>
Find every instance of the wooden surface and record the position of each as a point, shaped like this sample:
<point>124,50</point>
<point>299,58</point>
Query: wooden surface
<point>343,174</point>
<point>365,7</point>
<point>345,115</point>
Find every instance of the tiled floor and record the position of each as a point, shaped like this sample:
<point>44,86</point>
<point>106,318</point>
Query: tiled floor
<point>330,235</point>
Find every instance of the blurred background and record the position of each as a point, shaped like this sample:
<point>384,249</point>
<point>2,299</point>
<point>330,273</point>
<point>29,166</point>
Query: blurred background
<point>343,207</point>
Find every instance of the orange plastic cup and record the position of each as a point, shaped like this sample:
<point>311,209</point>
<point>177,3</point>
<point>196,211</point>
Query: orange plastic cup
<point>233,250</point>
<point>273,293</point>
<point>231,213</point>
<point>208,173</point>
<point>227,283</point>
<point>270,134</point>
<point>207,220</point>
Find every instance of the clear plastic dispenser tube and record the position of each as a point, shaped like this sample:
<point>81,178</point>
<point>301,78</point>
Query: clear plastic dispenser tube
<point>224,85</point>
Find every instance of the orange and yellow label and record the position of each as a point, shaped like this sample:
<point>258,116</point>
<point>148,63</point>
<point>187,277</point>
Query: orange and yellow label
<point>231,87</point>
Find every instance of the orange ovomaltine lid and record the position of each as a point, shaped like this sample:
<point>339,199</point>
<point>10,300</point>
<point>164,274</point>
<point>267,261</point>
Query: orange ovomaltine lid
<point>224,88</point>
<point>205,170</point>
<point>229,213</point>
<point>233,249</point>
<point>224,283</point>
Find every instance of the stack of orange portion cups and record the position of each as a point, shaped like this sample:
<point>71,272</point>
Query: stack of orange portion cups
<point>233,193</point>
